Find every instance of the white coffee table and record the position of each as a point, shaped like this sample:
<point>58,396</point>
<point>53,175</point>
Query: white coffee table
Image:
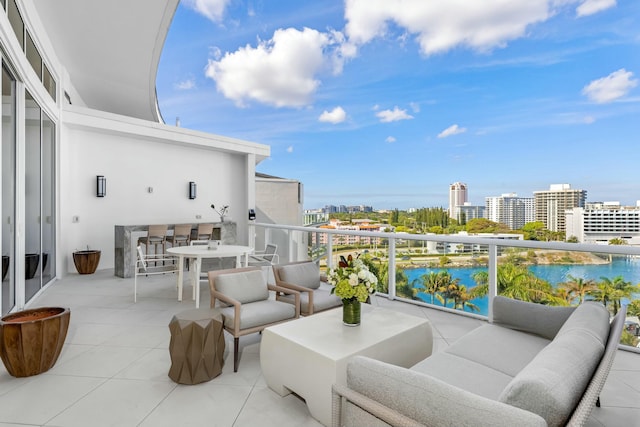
<point>307,356</point>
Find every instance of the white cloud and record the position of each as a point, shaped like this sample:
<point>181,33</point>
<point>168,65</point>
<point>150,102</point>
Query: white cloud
<point>609,88</point>
<point>211,9</point>
<point>394,115</point>
<point>588,120</point>
<point>186,84</point>
<point>337,115</point>
<point>415,107</point>
<point>390,139</point>
<point>290,149</point>
<point>451,130</point>
<point>589,7</point>
<point>443,25</point>
<point>281,71</point>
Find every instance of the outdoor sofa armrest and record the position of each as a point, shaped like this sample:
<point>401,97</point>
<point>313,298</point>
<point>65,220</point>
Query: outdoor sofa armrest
<point>428,400</point>
<point>389,416</point>
<point>281,290</point>
<point>538,319</point>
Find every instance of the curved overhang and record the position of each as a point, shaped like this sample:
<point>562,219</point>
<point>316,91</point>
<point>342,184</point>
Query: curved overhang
<point>111,50</point>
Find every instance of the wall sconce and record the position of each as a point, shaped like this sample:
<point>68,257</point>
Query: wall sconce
<point>101,186</point>
<point>192,190</point>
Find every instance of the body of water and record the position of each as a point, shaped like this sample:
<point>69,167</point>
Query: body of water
<point>629,268</point>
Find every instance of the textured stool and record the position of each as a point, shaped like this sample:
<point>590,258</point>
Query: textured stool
<point>197,346</point>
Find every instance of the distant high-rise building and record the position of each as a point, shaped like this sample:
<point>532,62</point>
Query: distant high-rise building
<point>550,205</point>
<point>510,210</point>
<point>457,197</point>
<point>468,212</point>
<point>601,222</point>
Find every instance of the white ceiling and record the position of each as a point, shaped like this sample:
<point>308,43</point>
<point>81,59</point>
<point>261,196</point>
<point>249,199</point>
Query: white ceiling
<point>110,49</point>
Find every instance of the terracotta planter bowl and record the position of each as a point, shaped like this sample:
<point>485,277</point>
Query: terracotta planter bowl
<point>31,340</point>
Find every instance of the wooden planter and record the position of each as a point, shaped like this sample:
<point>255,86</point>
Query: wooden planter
<point>31,340</point>
<point>86,261</point>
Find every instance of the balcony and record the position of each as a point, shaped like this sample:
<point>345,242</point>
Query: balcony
<point>113,368</point>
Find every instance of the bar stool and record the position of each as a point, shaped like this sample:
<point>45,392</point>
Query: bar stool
<point>156,236</point>
<point>204,232</point>
<point>181,235</point>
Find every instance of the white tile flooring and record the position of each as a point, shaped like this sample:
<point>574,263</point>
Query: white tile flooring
<point>113,367</point>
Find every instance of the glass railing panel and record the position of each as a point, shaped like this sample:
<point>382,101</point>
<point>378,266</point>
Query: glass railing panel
<point>454,274</point>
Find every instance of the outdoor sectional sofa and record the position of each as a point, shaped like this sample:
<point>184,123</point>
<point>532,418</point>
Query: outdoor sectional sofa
<point>535,365</point>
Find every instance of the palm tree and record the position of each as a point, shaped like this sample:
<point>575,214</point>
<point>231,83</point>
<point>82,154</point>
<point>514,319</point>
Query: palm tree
<point>577,287</point>
<point>429,283</point>
<point>463,299</point>
<point>612,291</point>
<point>448,287</point>
<point>517,282</point>
<point>482,281</point>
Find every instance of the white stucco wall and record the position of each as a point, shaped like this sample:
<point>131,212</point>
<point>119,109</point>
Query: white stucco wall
<point>132,161</point>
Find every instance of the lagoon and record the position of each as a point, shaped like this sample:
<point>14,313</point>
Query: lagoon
<point>627,267</point>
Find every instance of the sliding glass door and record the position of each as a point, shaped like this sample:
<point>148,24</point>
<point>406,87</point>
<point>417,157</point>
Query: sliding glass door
<point>39,198</point>
<point>8,189</point>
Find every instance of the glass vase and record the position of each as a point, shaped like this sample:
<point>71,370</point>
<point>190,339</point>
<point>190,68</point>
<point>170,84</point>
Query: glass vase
<point>351,312</point>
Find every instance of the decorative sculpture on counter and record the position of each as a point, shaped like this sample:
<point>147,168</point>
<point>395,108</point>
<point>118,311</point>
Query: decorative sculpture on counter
<point>222,212</point>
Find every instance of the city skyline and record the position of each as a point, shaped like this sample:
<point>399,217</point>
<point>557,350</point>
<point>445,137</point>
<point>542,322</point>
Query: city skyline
<point>386,104</point>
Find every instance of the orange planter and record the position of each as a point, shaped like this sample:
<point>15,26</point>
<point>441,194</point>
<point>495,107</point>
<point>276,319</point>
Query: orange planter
<point>86,261</point>
<point>31,340</point>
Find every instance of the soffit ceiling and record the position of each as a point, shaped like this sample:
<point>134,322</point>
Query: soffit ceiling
<point>110,49</point>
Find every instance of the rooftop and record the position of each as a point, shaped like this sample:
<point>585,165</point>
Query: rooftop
<point>113,367</point>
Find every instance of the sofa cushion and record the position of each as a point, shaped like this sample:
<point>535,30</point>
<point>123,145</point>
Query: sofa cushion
<point>529,317</point>
<point>244,286</point>
<point>591,317</point>
<point>503,349</point>
<point>553,383</point>
<point>465,374</point>
<point>305,274</point>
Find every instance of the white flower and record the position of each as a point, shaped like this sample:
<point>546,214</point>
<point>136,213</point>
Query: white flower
<point>353,279</point>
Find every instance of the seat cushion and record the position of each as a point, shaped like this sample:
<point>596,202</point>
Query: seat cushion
<point>502,349</point>
<point>243,286</point>
<point>305,274</point>
<point>259,313</point>
<point>465,374</point>
<point>322,300</point>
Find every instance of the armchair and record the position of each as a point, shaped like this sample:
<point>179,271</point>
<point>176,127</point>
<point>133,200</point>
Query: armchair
<point>267,257</point>
<point>243,297</point>
<point>305,278</point>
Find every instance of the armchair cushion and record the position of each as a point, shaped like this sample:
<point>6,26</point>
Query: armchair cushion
<point>259,313</point>
<point>244,286</point>
<point>323,299</point>
<point>305,274</point>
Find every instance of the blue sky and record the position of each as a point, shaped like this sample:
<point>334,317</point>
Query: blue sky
<point>387,102</point>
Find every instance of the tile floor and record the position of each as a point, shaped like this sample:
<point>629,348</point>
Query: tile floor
<point>113,367</point>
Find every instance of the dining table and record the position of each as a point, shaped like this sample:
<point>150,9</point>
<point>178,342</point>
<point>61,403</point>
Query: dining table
<point>197,253</point>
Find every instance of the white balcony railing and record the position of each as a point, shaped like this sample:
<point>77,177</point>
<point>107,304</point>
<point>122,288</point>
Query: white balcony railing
<point>295,243</point>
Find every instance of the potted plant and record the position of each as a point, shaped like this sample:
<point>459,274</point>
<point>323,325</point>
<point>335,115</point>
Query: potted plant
<point>353,283</point>
<point>31,340</point>
<point>86,261</point>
